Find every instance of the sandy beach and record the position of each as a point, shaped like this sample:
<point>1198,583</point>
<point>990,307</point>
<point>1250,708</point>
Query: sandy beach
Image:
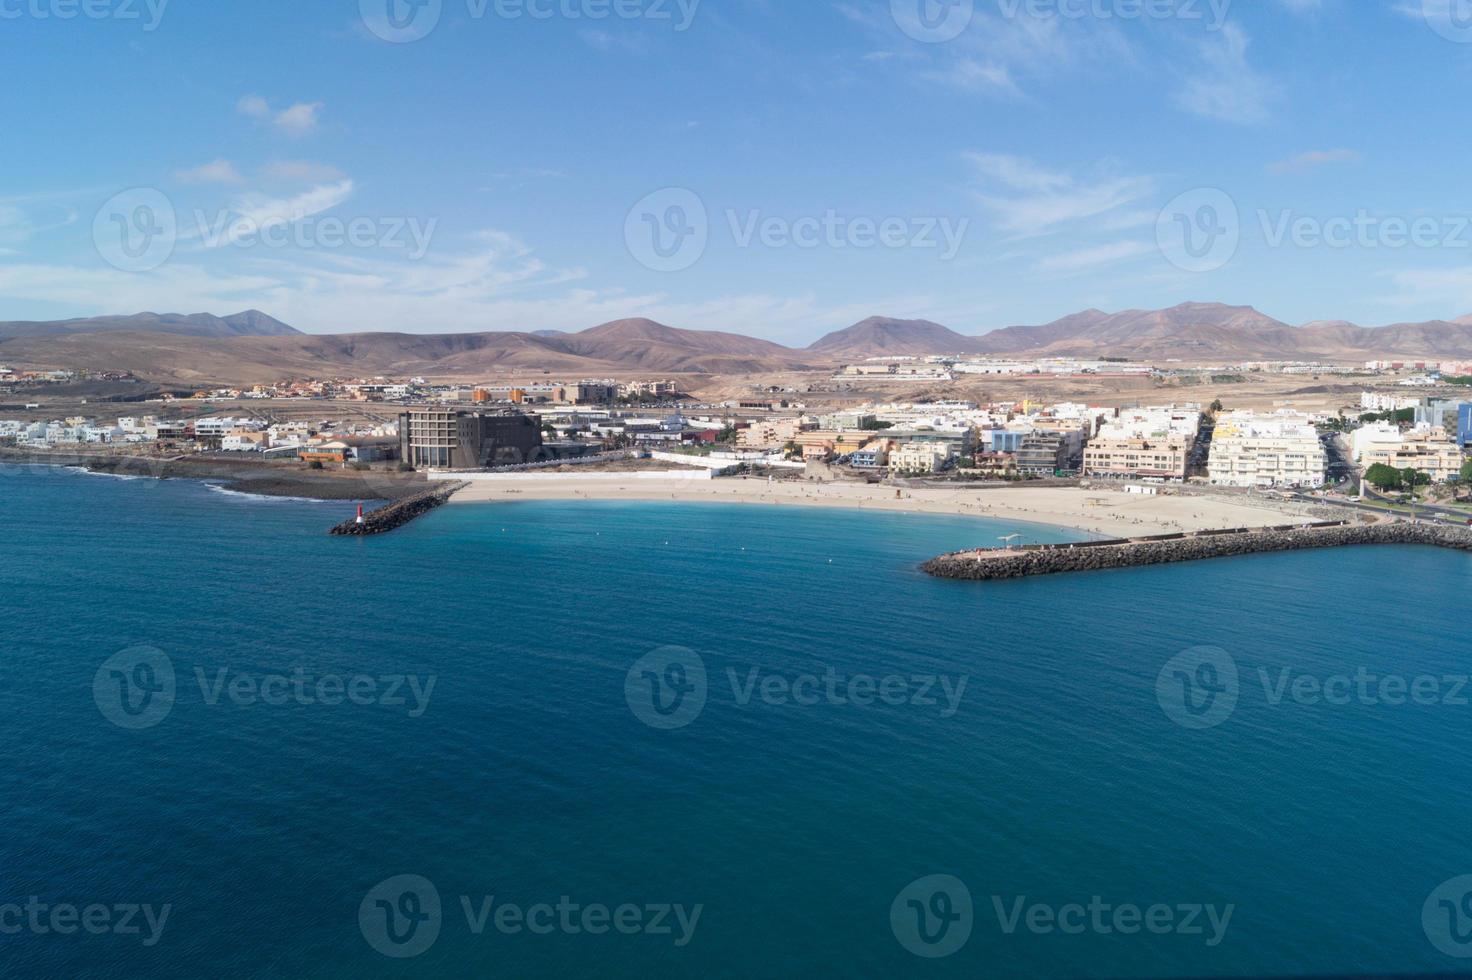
<point>1100,511</point>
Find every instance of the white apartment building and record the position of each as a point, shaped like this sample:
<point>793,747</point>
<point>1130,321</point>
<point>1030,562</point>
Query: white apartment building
<point>1373,401</point>
<point>1426,449</point>
<point>1150,442</point>
<point>921,457</point>
<point>1255,450</point>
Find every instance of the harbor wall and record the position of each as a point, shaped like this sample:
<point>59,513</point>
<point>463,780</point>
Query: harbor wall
<point>1169,549</point>
<point>396,515</point>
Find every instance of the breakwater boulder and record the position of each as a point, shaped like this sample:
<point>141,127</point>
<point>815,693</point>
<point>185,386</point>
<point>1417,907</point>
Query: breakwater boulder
<point>399,513</point>
<point>1097,556</point>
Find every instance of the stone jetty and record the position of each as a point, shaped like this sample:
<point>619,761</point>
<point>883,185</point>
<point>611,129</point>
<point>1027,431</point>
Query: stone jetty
<point>399,513</point>
<point>1091,556</point>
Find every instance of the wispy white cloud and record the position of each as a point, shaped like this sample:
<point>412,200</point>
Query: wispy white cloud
<point>304,171</point>
<point>299,119</point>
<point>1029,199</point>
<point>1221,84</point>
<point>1311,159</point>
<point>997,55</point>
<point>1088,259</point>
<point>216,172</point>
<point>254,213</point>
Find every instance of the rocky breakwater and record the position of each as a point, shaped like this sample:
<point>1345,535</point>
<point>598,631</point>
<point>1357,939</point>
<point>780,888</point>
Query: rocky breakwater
<point>1100,555</point>
<point>399,513</point>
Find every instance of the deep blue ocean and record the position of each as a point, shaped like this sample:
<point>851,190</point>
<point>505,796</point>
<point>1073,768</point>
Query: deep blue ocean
<point>784,815</point>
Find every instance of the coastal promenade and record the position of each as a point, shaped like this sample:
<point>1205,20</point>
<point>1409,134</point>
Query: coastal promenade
<point>992,565</point>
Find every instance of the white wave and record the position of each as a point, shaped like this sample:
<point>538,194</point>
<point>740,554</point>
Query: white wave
<point>270,498</point>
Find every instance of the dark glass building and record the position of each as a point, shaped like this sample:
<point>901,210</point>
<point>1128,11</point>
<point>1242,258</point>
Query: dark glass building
<point>452,439</point>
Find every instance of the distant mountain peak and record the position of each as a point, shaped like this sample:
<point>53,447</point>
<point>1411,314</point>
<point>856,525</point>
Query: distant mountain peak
<point>250,323</point>
<point>883,335</point>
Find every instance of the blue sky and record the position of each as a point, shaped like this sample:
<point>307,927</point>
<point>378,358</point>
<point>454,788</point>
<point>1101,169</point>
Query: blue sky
<point>802,164</point>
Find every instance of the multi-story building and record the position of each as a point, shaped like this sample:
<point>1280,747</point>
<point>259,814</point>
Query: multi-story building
<point>1280,450</point>
<point>1043,454</point>
<point>822,443</point>
<point>1426,449</point>
<point>920,457</point>
<point>1144,443</point>
<point>1372,401</point>
<point>648,389</point>
<point>769,433</point>
<point>1464,426</point>
<point>873,456</point>
<point>459,440</point>
<point>592,392</point>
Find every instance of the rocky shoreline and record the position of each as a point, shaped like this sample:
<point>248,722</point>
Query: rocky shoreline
<point>259,477</point>
<point>396,515</point>
<point>982,566</point>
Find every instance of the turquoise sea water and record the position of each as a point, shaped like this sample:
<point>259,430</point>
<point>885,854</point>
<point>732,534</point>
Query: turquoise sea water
<point>795,827</point>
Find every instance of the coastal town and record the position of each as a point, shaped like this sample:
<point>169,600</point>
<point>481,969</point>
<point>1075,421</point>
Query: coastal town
<point>1398,437</point>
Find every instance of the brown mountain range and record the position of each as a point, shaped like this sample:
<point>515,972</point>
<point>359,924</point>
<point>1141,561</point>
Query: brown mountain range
<point>252,347</point>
